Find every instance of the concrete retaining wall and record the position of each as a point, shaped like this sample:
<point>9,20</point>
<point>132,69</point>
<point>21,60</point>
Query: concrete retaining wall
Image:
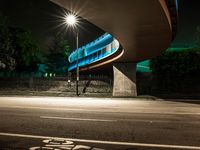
<point>56,85</point>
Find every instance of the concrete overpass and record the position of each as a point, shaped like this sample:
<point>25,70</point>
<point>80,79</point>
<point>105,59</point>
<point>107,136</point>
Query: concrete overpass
<point>143,28</point>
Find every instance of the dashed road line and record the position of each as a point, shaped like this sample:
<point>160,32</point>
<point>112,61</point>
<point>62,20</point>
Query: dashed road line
<point>77,119</point>
<point>106,142</point>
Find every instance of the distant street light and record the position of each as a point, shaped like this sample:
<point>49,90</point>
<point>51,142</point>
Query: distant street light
<point>71,20</point>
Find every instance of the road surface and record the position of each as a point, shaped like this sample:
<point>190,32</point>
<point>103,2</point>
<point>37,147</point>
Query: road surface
<point>98,124</point>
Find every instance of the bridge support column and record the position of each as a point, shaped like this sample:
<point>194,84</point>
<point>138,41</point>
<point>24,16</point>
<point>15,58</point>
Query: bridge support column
<point>124,79</point>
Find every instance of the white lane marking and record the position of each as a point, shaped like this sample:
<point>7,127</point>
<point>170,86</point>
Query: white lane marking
<point>104,142</point>
<point>102,110</point>
<point>76,119</point>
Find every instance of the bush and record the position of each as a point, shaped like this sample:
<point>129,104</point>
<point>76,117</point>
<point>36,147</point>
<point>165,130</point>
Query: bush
<point>173,70</point>
<point>177,64</point>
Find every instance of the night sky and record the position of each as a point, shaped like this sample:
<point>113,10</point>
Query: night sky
<point>41,17</point>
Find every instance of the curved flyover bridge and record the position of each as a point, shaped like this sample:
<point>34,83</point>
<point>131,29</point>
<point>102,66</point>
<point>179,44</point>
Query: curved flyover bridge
<point>135,30</point>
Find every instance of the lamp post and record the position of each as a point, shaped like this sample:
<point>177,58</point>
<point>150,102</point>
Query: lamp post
<point>71,20</point>
<point>77,67</point>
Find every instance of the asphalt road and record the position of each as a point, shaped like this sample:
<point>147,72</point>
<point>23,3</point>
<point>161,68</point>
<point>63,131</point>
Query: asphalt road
<point>98,124</point>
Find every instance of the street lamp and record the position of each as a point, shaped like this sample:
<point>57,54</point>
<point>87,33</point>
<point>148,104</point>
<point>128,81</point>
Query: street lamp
<point>71,20</point>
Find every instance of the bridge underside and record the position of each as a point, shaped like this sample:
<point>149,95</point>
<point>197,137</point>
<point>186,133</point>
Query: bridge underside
<point>143,28</point>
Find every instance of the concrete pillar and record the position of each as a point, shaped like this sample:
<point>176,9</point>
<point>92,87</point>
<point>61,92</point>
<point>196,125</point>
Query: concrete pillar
<point>124,79</point>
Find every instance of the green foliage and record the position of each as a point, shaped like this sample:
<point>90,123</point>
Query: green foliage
<point>18,50</point>
<point>27,52</point>
<point>173,71</point>
<point>7,62</point>
<point>58,56</point>
<point>21,53</point>
<point>177,64</point>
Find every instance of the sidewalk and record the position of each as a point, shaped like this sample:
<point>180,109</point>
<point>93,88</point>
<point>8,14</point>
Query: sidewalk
<point>30,93</point>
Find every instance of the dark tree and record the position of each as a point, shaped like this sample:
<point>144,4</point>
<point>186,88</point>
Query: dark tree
<point>18,50</point>
<point>58,54</point>
<point>7,62</point>
<point>198,37</point>
<point>27,51</point>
